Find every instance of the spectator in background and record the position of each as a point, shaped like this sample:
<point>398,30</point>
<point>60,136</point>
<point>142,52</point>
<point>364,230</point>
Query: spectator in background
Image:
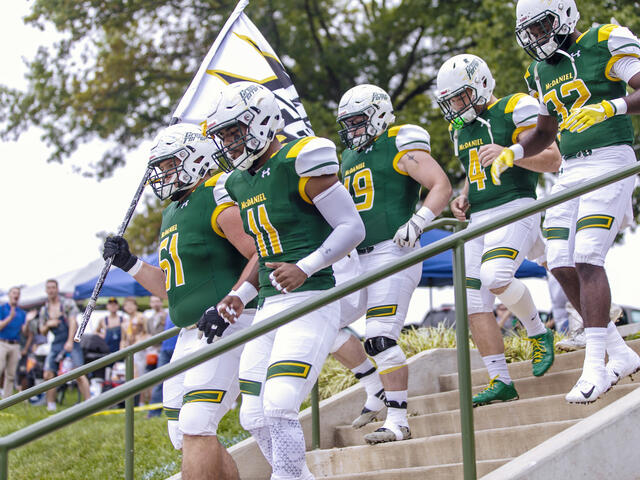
<point>166,352</point>
<point>110,327</point>
<point>157,316</point>
<point>58,316</point>
<point>559,302</point>
<point>506,320</point>
<point>12,318</point>
<point>134,331</point>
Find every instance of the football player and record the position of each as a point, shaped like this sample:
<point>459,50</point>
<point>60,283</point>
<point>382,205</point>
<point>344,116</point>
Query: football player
<point>580,80</point>
<point>480,125</point>
<point>383,168</point>
<point>302,220</point>
<point>203,250</point>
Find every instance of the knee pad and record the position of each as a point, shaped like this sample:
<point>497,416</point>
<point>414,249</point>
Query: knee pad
<point>387,354</point>
<point>558,254</point>
<point>251,413</point>
<point>479,300</point>
<point>175,435</point>
<point>282,397</point>
<point>341,339</point>
<point>200,418</point>
<point>496,273</point>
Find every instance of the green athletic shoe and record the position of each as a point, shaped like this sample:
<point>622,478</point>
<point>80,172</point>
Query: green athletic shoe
<point>543,352</point>
<point>496,391</point>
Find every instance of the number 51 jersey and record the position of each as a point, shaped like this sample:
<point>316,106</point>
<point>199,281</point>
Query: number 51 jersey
<point>201,266</point>
<point>500,123</point>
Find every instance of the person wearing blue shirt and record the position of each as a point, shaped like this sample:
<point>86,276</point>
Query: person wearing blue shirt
<point>12,318</point>
<point>166,351</point>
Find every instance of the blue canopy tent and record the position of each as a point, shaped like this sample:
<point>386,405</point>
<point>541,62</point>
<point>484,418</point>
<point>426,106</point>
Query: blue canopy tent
<point>117,284</point>
<point>438,271</point>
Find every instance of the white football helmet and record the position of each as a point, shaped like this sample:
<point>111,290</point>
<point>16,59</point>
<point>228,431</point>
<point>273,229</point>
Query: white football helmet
<point>543,25</point>
<point>192,155</point>
<point>252,109</point>
<point>372,102</point>
<point>463,88</point>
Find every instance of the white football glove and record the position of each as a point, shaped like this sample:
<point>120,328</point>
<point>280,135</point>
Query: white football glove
<point>409,233</point>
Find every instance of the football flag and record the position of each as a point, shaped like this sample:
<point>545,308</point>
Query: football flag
<point>240,52</point>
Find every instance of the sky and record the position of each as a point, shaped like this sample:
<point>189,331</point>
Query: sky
<point>51,216</point>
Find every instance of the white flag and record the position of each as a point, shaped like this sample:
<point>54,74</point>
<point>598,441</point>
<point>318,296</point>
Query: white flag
<point>240,52</point>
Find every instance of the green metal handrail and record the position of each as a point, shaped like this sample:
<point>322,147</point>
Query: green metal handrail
<point>456,241</point>
<point>87,368</point>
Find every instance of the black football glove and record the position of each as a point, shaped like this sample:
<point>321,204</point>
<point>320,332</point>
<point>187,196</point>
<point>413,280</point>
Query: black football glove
<point>212,324</point>
<point>118,248</point>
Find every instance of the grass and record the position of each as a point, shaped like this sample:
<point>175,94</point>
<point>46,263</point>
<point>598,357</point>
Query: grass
<point>93,448</point>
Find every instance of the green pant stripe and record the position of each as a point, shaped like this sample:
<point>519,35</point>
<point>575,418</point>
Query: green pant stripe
<point>212,396</point>
<point>595,221</point>
<point>555,233</point>
<point>288,368</point>
<point>171,413</point>
<point>500,252</point>
<point>473,283</point>
<point>250,387</point>
<point>382,311</point>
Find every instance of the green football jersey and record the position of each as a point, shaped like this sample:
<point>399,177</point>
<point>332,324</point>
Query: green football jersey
<point>500,123</point>
<point>201,266</point>
<point>276,211</point>
<point>385,196</point>
<point>594,54</point>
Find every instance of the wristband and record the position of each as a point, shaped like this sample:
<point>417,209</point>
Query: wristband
<point>620,105</point>
<point>426,214</point>
<point>136,267</point>
<point>246,292</point>
<point>518,151</point>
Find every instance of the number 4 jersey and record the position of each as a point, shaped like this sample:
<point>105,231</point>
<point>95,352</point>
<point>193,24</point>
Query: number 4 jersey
<point>276,211</point>
<point>201,266</point>
<point>500,123</point>
<point>587,78</point>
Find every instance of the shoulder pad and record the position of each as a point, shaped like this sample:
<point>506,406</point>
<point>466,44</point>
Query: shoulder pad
<point>525,109</point>
<point>411,137</point>
<point>220,193</point>
<point>620,40</point>
<point>314,156</point>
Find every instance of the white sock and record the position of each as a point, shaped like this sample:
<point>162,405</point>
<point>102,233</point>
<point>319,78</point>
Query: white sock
<point>288,448</point>
<point>518,300</point>
<point>51,405</point>
<point>367,374</point>
<point>262,436</point>
<point>616,346</point>
<point>594,353</point>
<point>497,367</point>
<point>396,402</point>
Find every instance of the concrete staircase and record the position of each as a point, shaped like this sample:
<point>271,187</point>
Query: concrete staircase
<point>502,431</point>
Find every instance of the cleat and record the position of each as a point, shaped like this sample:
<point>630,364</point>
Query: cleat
<point>543,354</point>
<point>496,391</point>
<point>587,391</point>
<point>575,341</point>
<point>367,416</point>
<point>383,435</point>
<point>621,367</point>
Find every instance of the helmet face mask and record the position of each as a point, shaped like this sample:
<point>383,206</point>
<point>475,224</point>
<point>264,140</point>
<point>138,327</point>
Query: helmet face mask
<point>243,124</point>
<point>180,158</point>
<point>372,106</point>
<point>464,89</point>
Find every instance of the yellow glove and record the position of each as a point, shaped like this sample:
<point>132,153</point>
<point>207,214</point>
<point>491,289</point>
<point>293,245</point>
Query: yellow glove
<point>587,116</point>
<point>500,164</point>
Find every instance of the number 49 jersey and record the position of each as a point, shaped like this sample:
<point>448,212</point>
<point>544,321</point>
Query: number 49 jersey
<point>276,211</point>
<point>500,123</point>
<point>562,87</point>
<point>385,196</point>
<point>201,266</point>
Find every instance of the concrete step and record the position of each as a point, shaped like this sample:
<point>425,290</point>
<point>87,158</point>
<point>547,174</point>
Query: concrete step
<point>452,471</point>
<point>517,370</point>
<point>433,451</point>
<point>522,412</point>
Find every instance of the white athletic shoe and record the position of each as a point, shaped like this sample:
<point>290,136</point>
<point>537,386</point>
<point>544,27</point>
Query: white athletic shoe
<point>575,341</point>
<point>622,366</point>
<point>366,416</point>
<point>588,391</point>
<point>382,435</point>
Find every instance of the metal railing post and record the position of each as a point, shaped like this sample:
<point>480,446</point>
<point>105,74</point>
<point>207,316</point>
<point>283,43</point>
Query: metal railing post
<point>4,463</point>
<point>464,364</point>
<point>128,432</point>
<point>315,417</point>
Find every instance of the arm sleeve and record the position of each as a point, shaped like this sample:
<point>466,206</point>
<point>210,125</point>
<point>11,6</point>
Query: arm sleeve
<point>412,137</point>
<point>622,45</point>
<point>337,207</point>
<point>525,113</point>
<point>625,68</point>
<point>316,156</point>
